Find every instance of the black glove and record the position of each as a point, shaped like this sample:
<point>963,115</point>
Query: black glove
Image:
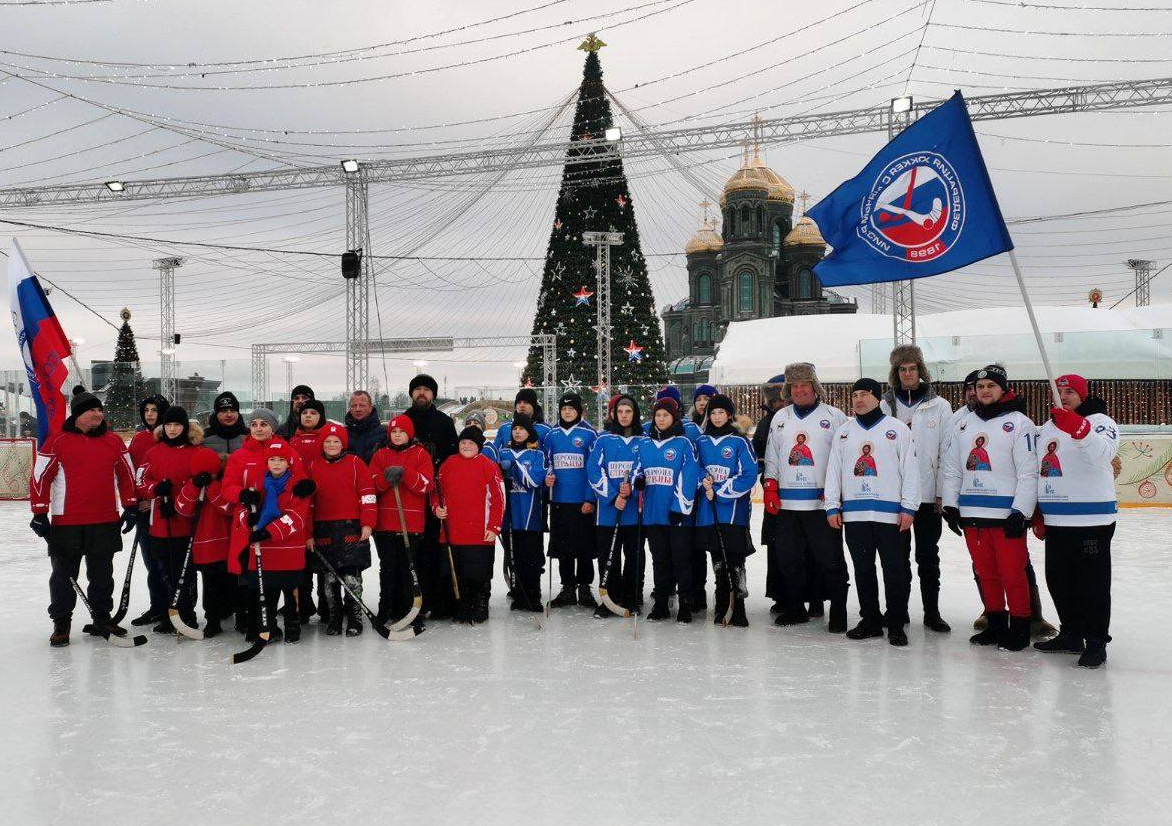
<point>640,483</point>
<point>242,558</point>
<point>249,497</point>
<point>952,518</point>
<point>304,488</point>
<point>163,488</point>
<point>393,475</point>
<point>129,520</point>
<point>262,535</point>
<point>1015,525</point>
<point>167,508</point>
<point>40,525</point>
<point>201,480</point>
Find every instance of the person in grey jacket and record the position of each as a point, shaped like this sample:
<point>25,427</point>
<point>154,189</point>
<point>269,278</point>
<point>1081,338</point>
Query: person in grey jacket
<point>226,431</point>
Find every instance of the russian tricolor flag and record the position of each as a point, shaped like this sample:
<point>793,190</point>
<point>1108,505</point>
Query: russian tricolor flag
<point>43,344</point>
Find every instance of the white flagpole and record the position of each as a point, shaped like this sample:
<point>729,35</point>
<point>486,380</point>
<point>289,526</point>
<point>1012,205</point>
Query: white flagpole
<point>1037,333</point>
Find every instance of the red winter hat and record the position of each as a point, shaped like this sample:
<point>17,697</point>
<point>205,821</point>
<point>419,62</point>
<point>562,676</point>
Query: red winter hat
<point>333,429</point>
<point>1075,382</point>
<point>205,460</point>
<point>279,447</point>
<point>404,423</point>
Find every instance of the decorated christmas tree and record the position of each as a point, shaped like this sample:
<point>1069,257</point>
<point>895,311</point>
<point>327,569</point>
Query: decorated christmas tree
<point>126,385</point>
<point>594,197</point>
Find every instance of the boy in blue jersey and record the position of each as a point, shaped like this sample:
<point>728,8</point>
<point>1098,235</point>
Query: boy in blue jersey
<point>571,511</point>
<point>671,391</point>
<point>666,475</point>
<point>525,404</point>
<point>612,462</point>
<point>523,466</point>
<point>728,472</point>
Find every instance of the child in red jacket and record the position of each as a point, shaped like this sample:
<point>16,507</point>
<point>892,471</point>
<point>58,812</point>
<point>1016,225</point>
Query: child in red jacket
<point>164,470</point>
<point>306,440</point>
<point>470,497</point>
<point>404,466</point>
<point>343,519</point>
<point>278,525</point>
<point>209,544</point>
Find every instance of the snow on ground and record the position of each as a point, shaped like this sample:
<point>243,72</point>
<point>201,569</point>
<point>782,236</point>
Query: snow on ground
<point>581,723</point>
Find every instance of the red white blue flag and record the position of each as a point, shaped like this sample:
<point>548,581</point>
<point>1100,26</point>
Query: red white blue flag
<point>43,344</point>
<point>924,205</point>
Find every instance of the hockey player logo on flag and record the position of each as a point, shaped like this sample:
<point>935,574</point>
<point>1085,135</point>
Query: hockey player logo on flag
<point>924,205</point>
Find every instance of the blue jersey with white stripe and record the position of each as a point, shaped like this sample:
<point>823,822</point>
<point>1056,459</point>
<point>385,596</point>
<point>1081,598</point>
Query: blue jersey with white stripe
<point>670,471</point>
<point>732,464</point>
<point>524,472</point>
<point>566,451</point>
<point>491,451</point>
<point>612,462</point>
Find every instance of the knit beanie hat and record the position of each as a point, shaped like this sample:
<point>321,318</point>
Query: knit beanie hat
<point>571,400</point>
<point>670,405</point>
<point>670,392</point>
<point>423,380</point>
<point>870,385</point>
<point>333,429</point>
<point>226,401</point>
<point>83,401</point>
<point>528,395</point>
<point>313,404</point>
<point>722,402</point>
<point>264,414</point>
<point>994,372</point>
<point>473,434</point>
<point>521,420</point>
<point>401,422</point>
<point>704,390</point>
<point>1076,383</point>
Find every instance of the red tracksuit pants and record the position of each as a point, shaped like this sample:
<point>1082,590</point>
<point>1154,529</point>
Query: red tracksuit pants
<point>1000,563</point>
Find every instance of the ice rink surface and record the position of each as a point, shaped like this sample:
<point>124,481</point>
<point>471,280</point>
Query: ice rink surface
<point>580,723</point>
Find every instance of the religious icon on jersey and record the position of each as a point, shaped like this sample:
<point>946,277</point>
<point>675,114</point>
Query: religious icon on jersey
<point>800,454</point>
<point>1051,467</point>
<point>978,456</point>
<point>865,464</point>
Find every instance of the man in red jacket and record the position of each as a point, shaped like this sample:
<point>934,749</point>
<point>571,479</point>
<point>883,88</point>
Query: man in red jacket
<point>470,500</point>
<point>81,475</point>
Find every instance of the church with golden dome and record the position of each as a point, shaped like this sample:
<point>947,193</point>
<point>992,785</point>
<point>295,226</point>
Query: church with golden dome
<point>754,262</point>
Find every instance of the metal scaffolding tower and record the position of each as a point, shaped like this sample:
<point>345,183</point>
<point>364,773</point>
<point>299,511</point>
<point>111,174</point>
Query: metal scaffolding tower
<point>602,242</point>
<point>1143,280</point>
<point>879,297</point>
<point>358,289</point>
<point>903,293</point>
<point>167,374</point>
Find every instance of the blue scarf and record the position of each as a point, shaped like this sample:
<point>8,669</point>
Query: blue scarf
<point>270,508</point>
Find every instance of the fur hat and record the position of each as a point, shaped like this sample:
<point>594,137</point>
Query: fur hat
<point>423,380</point>
<point>902,355</point>
<point>771,390</point>
<point>802,371</point>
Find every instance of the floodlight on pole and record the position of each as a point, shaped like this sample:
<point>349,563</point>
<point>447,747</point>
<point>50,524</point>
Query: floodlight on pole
<point>901,104</point>
<point>614,133</point>
<point>115,186</point>
<point>349,166</point>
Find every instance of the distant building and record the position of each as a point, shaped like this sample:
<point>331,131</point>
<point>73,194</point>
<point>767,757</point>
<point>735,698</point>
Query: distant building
<point>195,393</point>
<point>759,265</point>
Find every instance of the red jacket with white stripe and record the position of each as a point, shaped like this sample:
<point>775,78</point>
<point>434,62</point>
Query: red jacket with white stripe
<point>417,482</point>
<point>305,442</point>
<point>344,490</point>
<point>285,551</point>
<point>474,494</point>
<point>249,459</point>
<point>80,479</point>
<point>141,444</point>
<point>211,534</point>
<point>164,461</point>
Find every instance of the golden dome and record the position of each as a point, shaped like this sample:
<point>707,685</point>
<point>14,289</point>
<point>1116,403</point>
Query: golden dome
<point>755,175</point>
<point>706,239</point>
<point>804,234</point>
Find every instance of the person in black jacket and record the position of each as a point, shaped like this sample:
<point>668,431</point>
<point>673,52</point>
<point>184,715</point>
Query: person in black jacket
<point>772,400</point>
<point>298,396</point>
<point>364,427</point>
<point>436,431</point>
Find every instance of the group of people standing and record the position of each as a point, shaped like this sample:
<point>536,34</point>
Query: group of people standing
<point>257,505</point>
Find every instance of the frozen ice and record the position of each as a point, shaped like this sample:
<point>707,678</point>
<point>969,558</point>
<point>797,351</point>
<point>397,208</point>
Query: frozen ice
<point>581,723</point>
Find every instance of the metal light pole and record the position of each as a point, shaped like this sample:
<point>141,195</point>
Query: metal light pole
<point>1143,280</point>
<point>903,293</point>
<point>602,242</point>
<point>289,362</point>
<point>166,268</point>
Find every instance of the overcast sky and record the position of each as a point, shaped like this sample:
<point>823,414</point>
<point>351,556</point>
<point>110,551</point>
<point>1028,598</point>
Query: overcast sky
<point>676,62</point>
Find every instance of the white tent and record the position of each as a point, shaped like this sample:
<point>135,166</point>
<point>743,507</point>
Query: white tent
<point>1134,342</point>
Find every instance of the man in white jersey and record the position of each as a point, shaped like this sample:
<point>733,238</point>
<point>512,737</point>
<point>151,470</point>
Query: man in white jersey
<point>912,400</point>
<point>1076,497</point>
<point>798,446</point>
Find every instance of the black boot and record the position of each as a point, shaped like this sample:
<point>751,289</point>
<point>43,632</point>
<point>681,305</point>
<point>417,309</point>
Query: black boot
<point>586,597</point>
<point>60,636</point>
<point>212,627</point>
<point>1017,636</point>
<point>1064,643</point>
<point>896,635</point>
<point>659,611</point>
<point>566,598</point>
<point>933,622</point>
<point>480,603</point>
<point>865,630</point>
<point>700,601</point>
<point>739,620</point>
<point>684,614</point>
<point>293,627</point>
<point>323,602</point>
<point>147,618</point>
<point>837,624</point>
<point>792,618</point>
<point>720,598</point>
<point>1095,655</point>
<point>164,626</point>
<point>332,612</point>
<point>996,624</point>
<point>816,610</point>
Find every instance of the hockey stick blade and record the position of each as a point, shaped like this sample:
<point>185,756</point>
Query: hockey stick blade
<point>409,617</point>
<point>391,635</point>
<point>182,627</point>
<point>252,651</point>
<point>125,642</point>
<point>611,605</point>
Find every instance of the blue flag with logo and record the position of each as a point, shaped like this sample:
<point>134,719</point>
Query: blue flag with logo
<point>923,206</point>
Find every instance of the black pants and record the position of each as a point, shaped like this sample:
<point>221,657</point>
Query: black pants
<point>473,567</point>
<point>624,577</point>
<point>218,585</point>
<point>774,585</point>
<point>173,551</point>
<point>396,589</point>
<point>278,585</point>
<point>927,528</point>
<point>528,554</point>
<point>802,533</point>
<point>156,568</point>
<point>865,540</point>
<point>68,545</point>
<point>571,542</point>
<point>735,542</point>
<point>1078,574</point>
<point>699,569</point>
<point>671,560</point>
<point>435,578</point>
